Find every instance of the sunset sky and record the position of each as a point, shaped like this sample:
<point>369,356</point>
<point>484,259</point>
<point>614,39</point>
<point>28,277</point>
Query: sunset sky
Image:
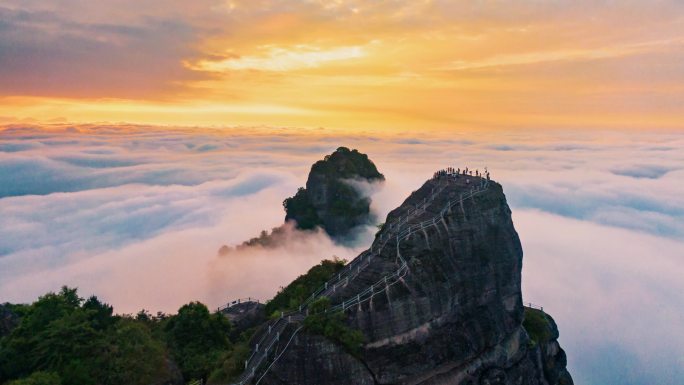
<point>346,65</point>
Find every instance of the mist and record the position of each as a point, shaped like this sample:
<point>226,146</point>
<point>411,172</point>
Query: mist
<point>136,216</point>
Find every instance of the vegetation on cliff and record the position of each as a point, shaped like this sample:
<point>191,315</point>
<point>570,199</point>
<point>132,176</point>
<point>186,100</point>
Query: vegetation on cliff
<point>329,201</point>
<point>291,296</point>
<point>537,326</point>
<point>332,326</point>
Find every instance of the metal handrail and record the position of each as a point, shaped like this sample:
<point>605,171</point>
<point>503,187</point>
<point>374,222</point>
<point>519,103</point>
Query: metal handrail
<point>534,306</point>
<point>236,302</point>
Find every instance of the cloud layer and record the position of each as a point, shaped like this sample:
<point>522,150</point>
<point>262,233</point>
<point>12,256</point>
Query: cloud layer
<point>136,215</point>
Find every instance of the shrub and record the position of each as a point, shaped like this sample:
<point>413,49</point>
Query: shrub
<point>537,326</point>
<point>197,339</point>
<point>39,378</point>
<point>332,326</point>
<point>233,364</point>
<point>290,297</point>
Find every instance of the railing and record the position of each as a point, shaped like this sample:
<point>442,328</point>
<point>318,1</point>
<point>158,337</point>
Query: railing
<point>342,278</point>
<point>533,306</point>
<point>396,276</point>
<point>281,353</point>
<point>378,287</point>
<point>395,231</point>
<point>236,302</point>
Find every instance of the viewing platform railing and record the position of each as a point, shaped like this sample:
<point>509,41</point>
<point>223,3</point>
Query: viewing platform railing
<point>236,302</point>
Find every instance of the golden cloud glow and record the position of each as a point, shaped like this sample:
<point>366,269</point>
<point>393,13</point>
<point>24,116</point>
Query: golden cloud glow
<point>282,59</point>
<point>561,55</point>
<point>349,64</point>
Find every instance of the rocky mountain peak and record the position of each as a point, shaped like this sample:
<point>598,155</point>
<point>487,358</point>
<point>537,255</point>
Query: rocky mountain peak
<point>437,298</point>
<point>330,199</point>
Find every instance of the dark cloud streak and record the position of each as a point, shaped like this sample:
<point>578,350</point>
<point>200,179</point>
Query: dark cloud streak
<point>44,54</point>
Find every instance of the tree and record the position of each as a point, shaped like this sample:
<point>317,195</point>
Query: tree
<point>133,356</point>
<point>39,378</point>
<point>197,339</point>
<point>64,340</point>
<point>100,313</point>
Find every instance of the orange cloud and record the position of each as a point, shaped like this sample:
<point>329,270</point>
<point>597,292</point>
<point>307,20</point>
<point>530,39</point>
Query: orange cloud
<point>346,64</point>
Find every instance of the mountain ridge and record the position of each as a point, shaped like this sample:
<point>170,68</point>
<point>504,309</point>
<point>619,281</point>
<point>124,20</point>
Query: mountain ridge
<point>453,313</point>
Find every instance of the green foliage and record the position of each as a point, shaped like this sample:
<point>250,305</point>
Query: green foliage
<point>348,202</point>
<point>233,364</point>
<point>345,163</point>
<point>321,305</point>
<point>266,239</point>
<point>537,326</point>
<point>100,313</point>
<point>39,378</point>
<point>300,208</point>
<point>63,339</point>
<point>274,315</point>
<point>66,340</point>
<point>332,326</point>
<point>197,338</point>
<point>343,200</point>
<point>135,357</point>
<point>301,288</point>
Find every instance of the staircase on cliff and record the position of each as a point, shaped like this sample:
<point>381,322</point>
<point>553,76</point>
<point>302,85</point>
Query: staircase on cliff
<point>427,210</point>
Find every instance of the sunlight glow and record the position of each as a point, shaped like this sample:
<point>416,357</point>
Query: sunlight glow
<point>348,65</point>
<point>282,59</point>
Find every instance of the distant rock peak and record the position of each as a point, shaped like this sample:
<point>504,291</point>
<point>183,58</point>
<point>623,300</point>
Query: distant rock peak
<point>335,199</point>
<point>329,200</point>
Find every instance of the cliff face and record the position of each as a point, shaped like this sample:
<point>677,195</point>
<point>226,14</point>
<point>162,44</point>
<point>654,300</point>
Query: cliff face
<point>329,200</point>
<point>453,316</point>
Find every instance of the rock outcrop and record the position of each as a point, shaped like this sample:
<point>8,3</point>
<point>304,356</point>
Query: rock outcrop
<point>330,200</point>
<point>244,315</point>
<point>454,317</point>
<point>8,319</point>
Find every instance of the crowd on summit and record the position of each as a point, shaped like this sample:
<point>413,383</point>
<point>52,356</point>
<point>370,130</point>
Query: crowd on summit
<point>457,172</point>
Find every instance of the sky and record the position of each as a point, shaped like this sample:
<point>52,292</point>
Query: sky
<point>137,138</point>
<point>346,65</point>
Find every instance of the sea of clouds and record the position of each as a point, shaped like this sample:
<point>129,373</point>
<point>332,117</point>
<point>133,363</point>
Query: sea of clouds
<point>136,215</point>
